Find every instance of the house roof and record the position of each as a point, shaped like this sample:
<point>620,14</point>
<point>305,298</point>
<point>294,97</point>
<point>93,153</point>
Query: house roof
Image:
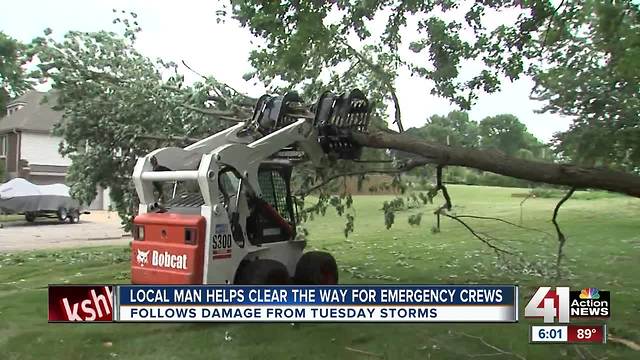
<point>36,115</point>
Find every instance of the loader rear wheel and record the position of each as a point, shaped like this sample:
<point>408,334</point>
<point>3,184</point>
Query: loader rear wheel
<point>263,272</point>
<point>317,268</point>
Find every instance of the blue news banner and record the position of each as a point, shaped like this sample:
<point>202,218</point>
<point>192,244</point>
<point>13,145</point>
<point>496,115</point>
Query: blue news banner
<point>224,303</point>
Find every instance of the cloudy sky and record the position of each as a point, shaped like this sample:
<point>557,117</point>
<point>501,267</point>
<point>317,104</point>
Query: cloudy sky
<point>187,30</point>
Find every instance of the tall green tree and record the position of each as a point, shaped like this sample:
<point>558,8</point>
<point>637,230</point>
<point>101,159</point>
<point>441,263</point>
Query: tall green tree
<point>119,105</point>
<point>595,51</point>
<point>454,129</point>
<point>538,149</point>
<point>503,132</point>
<point>582,55</point>
<point>14,78</point>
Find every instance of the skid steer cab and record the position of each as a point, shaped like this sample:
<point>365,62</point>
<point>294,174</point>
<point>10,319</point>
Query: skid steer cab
<point>220,211</point>
<point>246,240</point>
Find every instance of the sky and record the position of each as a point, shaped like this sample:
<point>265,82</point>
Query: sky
<point>187,30</point>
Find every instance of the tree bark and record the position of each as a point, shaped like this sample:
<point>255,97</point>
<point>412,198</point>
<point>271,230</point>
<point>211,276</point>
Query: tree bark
<point>499,163</point>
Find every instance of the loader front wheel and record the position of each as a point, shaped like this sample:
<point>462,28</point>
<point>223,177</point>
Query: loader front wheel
<point>263,272</point>
<point>317,268</point>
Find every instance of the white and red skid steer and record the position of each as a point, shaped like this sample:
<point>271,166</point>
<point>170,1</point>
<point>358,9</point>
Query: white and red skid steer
<point>220,211</point>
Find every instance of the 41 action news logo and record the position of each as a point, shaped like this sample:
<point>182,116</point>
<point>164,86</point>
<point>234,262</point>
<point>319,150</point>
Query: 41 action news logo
<point>564,304</point>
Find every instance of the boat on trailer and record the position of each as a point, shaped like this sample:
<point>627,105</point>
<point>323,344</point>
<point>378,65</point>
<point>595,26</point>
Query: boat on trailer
<point>19,196</point>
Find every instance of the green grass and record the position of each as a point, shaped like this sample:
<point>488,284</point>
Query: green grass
<point>603,250</point>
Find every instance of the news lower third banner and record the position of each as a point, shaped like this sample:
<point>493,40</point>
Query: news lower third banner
<point>224,303</point>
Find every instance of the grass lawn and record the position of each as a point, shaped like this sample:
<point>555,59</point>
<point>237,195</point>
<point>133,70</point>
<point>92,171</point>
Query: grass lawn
<point>602,250</point>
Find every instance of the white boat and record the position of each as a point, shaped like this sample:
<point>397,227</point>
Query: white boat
<point>19,196</point>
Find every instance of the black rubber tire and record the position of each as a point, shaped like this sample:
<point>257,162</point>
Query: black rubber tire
<point>30,217</point>
<point>62,214</point>
<point>263,272</point>
<point>316,268</point>
<point>74,216</point>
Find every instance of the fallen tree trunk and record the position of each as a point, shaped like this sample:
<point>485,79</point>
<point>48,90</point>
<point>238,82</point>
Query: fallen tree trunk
<point>497,162</point>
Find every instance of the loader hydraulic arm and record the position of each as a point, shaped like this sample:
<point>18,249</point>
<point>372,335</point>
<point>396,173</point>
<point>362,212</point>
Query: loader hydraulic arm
<point>321,132</point>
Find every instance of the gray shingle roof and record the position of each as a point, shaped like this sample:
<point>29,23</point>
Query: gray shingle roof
<point>36,115</point>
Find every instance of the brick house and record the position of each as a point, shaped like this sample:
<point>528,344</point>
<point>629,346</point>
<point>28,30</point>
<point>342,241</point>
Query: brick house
<point>29,150</point>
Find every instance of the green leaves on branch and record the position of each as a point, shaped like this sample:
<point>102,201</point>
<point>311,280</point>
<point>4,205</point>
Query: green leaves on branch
<point>14,78</point>
<point>402,203</point>
<point>341,204</point>
<point>349,225</point>
<point>582,54</point>
<point>595,80</point>
<point>415,219</point>
<point>119,105</point>
<point>312,42</point>
<point>389,218</point>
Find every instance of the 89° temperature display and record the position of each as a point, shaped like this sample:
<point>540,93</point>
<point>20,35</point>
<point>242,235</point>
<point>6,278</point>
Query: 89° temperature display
<point>571,334</point>
<point>587,333</point>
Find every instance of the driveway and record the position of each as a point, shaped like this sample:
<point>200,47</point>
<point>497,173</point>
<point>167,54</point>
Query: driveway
<point>96,229</point>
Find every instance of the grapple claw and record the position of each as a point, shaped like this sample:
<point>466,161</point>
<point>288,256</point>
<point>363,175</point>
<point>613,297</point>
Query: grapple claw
<point>270,112</point>
<point>336,117</point>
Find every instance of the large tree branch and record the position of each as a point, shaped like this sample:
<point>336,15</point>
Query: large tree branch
<point>487,160</point>
<point>220,114</point>
<point>498,250</point>
<point>561,238</point>
<point>503,221</point>
<point>499,163</point>
<point>398,116</point>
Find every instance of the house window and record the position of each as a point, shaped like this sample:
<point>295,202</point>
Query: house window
<point>3,145</point>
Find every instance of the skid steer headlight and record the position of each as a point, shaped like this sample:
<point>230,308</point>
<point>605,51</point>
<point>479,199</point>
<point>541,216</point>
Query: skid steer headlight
<point>138,232</point>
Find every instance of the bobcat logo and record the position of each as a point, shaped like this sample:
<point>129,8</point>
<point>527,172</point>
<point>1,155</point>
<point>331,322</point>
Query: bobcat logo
<point>143,257</point>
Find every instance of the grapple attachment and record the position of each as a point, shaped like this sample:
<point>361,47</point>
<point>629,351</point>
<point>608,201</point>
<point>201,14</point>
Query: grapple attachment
<point>336,116</point>
<point>273,112</point>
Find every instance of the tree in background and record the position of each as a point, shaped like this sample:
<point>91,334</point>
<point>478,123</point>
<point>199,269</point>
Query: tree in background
<point>503,132</point>
<point>119,105</point>
<point>14,79</point>
<point>454,129</point>
<point>593,51</point>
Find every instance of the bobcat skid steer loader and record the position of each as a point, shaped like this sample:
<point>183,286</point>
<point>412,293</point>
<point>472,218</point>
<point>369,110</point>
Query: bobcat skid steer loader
<point>220,211</point>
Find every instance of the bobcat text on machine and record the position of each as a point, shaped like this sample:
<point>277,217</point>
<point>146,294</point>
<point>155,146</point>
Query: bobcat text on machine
<point>228,216</point>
